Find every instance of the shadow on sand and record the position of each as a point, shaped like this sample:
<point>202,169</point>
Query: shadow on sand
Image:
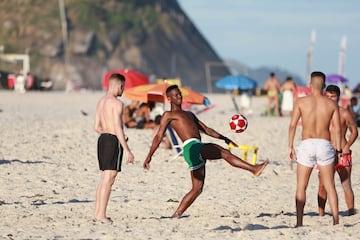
<point>251,227</point>
<point>3,161</point>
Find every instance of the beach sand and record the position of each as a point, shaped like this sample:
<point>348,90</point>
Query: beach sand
<point>49,174</point>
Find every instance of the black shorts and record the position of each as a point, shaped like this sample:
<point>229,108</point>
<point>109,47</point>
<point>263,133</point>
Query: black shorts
<point>110,152</point>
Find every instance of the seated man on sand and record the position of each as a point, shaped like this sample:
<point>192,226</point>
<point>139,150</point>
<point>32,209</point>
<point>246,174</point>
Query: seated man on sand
<point>142,116</point>
<point>128,117</point>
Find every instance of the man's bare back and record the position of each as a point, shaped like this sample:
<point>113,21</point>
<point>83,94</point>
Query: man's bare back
<point>316,114</point>
<point>107,106</point>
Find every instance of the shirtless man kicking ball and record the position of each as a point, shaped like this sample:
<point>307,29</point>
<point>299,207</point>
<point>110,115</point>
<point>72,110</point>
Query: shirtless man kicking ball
<point>188,127</point>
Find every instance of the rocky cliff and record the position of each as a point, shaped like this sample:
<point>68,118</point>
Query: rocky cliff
<point>80,40</point>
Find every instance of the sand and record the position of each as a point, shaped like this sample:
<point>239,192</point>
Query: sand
<point>49,174</point>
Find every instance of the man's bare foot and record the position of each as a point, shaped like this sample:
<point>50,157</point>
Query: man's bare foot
<point>260,168</point>
<point>351,211</point>
<point>176,215</point>
<point>105,220</point>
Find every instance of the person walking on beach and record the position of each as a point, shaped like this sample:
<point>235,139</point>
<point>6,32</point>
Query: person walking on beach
<point>288,91</point>
<point>344,165</point>
<point>317,112</point>
<point>111,143</point>
<point>272,86</point>
<point>188,127</point>
<point>354,110</point>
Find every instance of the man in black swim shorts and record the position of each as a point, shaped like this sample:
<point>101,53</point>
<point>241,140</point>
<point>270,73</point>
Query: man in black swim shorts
<point>111,143</point>
<point>110,152</point>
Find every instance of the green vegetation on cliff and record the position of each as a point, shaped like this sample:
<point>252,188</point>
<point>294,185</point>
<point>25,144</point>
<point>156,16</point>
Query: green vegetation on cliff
<point>153,36</point>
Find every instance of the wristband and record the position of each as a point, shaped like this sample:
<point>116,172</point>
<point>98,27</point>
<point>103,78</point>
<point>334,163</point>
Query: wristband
<point>338,151</point>
<point>227,141</point>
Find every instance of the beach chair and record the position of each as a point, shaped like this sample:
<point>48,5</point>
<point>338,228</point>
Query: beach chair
<point>245,149</point>
<point>205,109</point>
<point>174,142</point>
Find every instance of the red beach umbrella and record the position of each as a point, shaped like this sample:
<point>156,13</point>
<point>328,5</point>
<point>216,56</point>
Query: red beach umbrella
<point>132,78</point>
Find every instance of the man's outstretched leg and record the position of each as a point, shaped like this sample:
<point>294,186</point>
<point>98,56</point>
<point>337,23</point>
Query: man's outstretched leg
<point>214,151</point>
<point>197,179</point>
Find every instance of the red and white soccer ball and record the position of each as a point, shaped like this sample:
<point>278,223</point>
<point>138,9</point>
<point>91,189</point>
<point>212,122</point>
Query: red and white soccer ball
<point>238,123</point>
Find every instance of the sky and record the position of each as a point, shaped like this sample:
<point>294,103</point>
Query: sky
<point>277,33</point>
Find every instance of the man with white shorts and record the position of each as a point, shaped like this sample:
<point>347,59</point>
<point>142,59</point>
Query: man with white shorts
<point>317,112</point>
<point>314,151</point>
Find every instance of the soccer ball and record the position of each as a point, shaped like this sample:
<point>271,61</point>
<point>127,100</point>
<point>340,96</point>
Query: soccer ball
<point>238,123</point>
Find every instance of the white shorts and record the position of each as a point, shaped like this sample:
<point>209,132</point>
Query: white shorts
<point>314,151</point>
<point>287,101</point>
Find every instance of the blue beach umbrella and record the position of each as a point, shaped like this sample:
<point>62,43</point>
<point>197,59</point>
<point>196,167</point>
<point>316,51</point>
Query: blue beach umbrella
<point>232,82</point>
